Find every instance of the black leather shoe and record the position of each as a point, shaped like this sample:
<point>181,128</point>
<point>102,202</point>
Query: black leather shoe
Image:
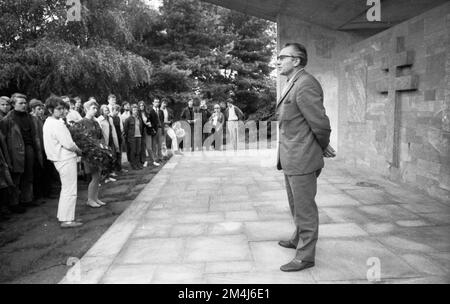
<point>296,265</point>
<point>287,244</point>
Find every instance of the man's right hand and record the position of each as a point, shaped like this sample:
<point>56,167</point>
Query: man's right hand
<point>329,152</point>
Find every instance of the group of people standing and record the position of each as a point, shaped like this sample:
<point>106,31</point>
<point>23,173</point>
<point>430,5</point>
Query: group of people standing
<point>224,114</point>
<point>38,153</point>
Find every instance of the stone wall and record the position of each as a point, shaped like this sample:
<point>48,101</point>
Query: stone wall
<point>394,102</point>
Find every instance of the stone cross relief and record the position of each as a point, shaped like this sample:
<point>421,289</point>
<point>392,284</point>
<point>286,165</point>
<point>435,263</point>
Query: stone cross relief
<point>393,84</point>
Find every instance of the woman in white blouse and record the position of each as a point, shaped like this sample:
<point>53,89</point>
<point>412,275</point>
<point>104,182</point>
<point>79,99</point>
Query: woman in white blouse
<point>62,151</point>
<point>216,120</point>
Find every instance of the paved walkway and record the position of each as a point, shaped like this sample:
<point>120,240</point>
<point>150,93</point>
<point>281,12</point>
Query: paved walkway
<point>217,217</point>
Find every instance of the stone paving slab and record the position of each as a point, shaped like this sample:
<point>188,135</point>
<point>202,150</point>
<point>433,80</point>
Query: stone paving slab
<point>216,217</point>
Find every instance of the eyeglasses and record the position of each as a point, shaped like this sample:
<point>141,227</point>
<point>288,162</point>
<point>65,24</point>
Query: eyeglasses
<point>281,57</point>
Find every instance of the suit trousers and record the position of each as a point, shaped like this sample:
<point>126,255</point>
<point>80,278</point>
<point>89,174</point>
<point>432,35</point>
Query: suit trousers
<point>156,145</point>
<point>67,170</point>
<point>301,192</point>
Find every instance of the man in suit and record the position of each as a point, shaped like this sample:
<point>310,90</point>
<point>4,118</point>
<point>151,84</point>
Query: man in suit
<point>157,119</point>
<point>188,115</point>
<point>304,141</point>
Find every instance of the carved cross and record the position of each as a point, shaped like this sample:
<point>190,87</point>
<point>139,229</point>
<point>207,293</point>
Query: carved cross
<point>393,84</point>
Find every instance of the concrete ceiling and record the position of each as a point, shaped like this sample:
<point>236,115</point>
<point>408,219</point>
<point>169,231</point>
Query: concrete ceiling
<point>333,14</point>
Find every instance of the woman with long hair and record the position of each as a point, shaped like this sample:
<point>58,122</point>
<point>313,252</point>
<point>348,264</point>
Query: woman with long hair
<point>110,136</point>
<point>146,143</point>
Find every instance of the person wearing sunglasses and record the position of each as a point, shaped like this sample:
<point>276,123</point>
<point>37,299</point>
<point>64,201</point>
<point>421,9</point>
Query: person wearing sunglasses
<point>304,142</point>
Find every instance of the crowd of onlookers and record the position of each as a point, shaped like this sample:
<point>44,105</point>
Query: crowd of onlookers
<point>39,158</point>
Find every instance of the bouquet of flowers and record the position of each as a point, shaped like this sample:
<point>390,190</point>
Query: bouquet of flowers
<point>93,151</point>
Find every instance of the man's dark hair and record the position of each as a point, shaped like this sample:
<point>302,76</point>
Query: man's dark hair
<point>152,96</point>
<point>34,103</point>
<point>52,102</point>
<point>301,52</point>
<point>124,104</point>
<point>72,101</point>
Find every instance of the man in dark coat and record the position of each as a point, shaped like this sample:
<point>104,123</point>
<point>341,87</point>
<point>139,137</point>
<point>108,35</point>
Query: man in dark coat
<point>188,115</point>
<point>24,149</point>
<point>205,115</point>
<point>6,182</point>
<point>41,175</point>
<point>157,119</point>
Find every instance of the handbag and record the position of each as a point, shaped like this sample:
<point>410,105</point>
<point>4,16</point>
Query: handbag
<point>150,131</point>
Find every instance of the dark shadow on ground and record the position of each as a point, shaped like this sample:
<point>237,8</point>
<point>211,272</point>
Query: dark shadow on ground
<point>34,249</point>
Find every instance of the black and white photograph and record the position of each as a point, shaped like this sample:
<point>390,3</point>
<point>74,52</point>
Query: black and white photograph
<point>223,147</point>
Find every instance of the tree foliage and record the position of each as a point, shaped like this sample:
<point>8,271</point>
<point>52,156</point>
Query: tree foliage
<point>42,53</point>
<point>187,48</point>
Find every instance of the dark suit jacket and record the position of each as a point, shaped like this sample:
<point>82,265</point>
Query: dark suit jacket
<point>16,145</point>
<point>304,126</point>
<point>5,164</point>
<point>205,115</point>
<point>155,118</point>
<point>186,114</point>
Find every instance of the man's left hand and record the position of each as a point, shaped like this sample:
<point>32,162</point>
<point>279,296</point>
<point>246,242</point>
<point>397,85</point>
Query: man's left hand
<point>329,152</point>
